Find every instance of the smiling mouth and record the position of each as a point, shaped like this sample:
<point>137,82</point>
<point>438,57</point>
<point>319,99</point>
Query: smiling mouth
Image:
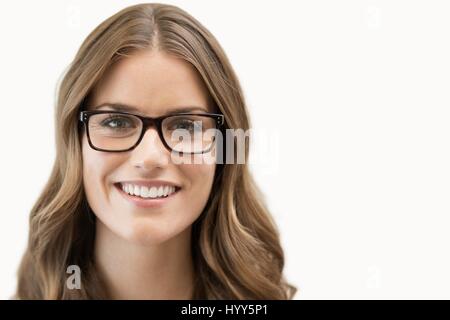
<point>147,193</point>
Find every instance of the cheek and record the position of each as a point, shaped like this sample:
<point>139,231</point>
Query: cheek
<point>92,167</point>
<point>96,167</point>
<point>201,177</point>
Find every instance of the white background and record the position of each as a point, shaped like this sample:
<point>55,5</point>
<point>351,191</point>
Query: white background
<point>357,93</point>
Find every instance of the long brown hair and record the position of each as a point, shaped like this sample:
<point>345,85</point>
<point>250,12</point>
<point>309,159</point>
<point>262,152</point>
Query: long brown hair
<point>235,243</point>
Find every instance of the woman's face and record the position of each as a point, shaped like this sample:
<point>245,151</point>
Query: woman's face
<point>154,83</point>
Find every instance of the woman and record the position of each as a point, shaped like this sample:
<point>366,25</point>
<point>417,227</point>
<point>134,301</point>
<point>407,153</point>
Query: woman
<point>120,206</point>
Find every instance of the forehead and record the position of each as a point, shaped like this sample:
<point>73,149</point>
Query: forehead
<point>152,81</point>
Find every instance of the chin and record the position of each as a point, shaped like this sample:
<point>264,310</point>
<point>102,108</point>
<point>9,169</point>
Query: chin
<point>146,234</point>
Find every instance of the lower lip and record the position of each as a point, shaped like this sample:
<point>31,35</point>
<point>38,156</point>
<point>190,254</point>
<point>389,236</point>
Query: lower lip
<point>146,203</point>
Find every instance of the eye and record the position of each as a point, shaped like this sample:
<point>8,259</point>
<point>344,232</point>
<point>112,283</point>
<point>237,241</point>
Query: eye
<point>117,122</point>
<point>184,124</point>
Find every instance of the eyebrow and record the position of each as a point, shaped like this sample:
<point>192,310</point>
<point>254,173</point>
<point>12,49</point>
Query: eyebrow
<point>128,108</point>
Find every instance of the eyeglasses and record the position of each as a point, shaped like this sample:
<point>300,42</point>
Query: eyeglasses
<point>114,131</point>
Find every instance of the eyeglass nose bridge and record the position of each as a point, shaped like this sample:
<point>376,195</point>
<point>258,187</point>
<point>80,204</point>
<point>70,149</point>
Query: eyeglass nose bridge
<point>151,122</point>
<point>148,122</point>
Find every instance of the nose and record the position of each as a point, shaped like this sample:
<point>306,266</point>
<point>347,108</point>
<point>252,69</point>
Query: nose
<point>150,152</point>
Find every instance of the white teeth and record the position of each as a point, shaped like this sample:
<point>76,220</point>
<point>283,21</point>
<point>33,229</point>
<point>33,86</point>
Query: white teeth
<point>153,192</point>
<point>146,192</point>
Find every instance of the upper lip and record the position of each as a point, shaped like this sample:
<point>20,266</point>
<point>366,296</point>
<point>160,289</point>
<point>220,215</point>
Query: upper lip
<point>149,183</point>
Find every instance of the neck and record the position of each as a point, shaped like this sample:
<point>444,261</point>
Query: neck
<point>134,271</point>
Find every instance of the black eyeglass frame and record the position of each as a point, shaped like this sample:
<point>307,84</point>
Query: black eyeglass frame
<point>146,123</point>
